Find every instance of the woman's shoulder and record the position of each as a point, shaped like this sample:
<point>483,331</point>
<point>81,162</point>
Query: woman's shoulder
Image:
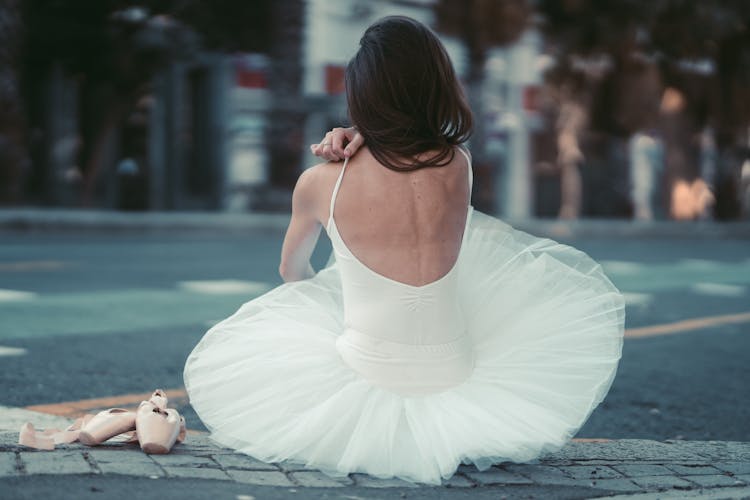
<point>319,176</point>
<point>314,186</point>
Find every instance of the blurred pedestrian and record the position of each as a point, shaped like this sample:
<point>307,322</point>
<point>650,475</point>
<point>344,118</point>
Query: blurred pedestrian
<point>646,166</point>
<point>689,196</point>
<point>570,125</point>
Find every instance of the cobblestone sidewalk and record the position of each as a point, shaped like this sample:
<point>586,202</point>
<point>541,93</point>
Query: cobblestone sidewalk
<point>608,467</point>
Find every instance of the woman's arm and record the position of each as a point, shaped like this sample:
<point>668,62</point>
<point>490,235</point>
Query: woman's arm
<point>303,231</point>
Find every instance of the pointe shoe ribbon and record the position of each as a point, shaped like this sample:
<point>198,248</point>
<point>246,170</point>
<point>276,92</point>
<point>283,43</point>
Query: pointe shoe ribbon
<point>158,427</point>
<point>48,438</point>
<point>39,440</point>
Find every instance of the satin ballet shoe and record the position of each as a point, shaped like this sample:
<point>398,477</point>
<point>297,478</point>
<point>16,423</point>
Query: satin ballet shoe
<point>105,425</point>
<point>158,427</point>
<point>159,399</point>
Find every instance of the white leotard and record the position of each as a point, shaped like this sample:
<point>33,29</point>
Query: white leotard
<point>409,339</point>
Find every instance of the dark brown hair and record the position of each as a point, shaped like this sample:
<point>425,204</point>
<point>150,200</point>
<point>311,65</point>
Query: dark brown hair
<point>404,97</point>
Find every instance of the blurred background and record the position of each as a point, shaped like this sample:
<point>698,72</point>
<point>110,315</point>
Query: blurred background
<point>617,109</point>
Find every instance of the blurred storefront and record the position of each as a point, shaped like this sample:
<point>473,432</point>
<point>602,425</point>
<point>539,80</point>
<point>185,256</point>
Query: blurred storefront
<point>209,108</point>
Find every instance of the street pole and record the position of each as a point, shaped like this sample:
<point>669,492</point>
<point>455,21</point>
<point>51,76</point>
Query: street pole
<point>515,190</point>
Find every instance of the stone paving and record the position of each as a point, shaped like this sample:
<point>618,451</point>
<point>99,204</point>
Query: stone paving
<point>628,466</point>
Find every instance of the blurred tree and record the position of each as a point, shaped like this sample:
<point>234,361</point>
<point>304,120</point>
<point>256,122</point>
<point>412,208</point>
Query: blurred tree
<point>271,27</point>
<point>481,25</point>
<point>285,130</point>
<point>226,25</point>
<point>111,50</point>
<point>13,157</point>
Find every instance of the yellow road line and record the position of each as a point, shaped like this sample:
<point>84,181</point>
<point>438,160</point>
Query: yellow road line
<point>687,325</point>
<point>74,409</point>
<point>178,397</point>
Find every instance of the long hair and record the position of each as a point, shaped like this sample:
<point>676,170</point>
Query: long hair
<point>404,97</point>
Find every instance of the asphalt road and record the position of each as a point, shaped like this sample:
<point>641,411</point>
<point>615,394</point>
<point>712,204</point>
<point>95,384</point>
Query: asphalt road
<point>108,314</point>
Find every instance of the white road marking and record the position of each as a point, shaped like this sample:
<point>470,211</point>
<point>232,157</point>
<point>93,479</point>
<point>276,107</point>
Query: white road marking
<point>718,289</point>
<point>638,299</point>
<point>12,351</point>
<point>621,266</point>
<point>114,311</point>
<point>225,287</point>
<point>15,295</point>
<point>699,263</point>
<point>12,418</point>
<point>32,265</point>
<point>678,275</point>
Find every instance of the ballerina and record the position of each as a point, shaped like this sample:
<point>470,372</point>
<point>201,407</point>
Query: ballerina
<point>438,335</point>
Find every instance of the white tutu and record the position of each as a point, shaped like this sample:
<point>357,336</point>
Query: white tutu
<point>547,328</point>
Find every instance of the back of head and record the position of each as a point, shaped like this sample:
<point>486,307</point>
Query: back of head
<point>404,97</point>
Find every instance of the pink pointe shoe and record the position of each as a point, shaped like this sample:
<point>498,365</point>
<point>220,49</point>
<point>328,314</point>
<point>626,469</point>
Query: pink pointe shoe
<point>106,424</point>
<point>158,427</point>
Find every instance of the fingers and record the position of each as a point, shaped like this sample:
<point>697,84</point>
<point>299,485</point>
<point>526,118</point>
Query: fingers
<point>316,150</point>
<point>354,144</point>
<point>324,150</point>
<point>338,144</point>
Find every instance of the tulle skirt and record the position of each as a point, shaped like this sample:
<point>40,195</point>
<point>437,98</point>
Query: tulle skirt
<point>547,328</point>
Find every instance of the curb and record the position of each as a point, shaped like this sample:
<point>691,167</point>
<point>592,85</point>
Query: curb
<point>54,220</point>
<point>725,493</point>
<point>678,469</point>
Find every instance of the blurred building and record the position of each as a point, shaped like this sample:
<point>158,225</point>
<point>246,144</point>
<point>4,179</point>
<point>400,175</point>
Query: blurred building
<point>196,106</point>
<point>332,29</point>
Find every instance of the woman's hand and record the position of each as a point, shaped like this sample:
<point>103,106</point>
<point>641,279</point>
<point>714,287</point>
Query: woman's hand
<point>338,144</point>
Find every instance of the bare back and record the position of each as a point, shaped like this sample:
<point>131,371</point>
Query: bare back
<point>406,226</point>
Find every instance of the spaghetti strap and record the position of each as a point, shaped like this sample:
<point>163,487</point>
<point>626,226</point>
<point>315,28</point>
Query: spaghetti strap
<point>471,173</point>
<point>469,208</point>
<point>336,191</point>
